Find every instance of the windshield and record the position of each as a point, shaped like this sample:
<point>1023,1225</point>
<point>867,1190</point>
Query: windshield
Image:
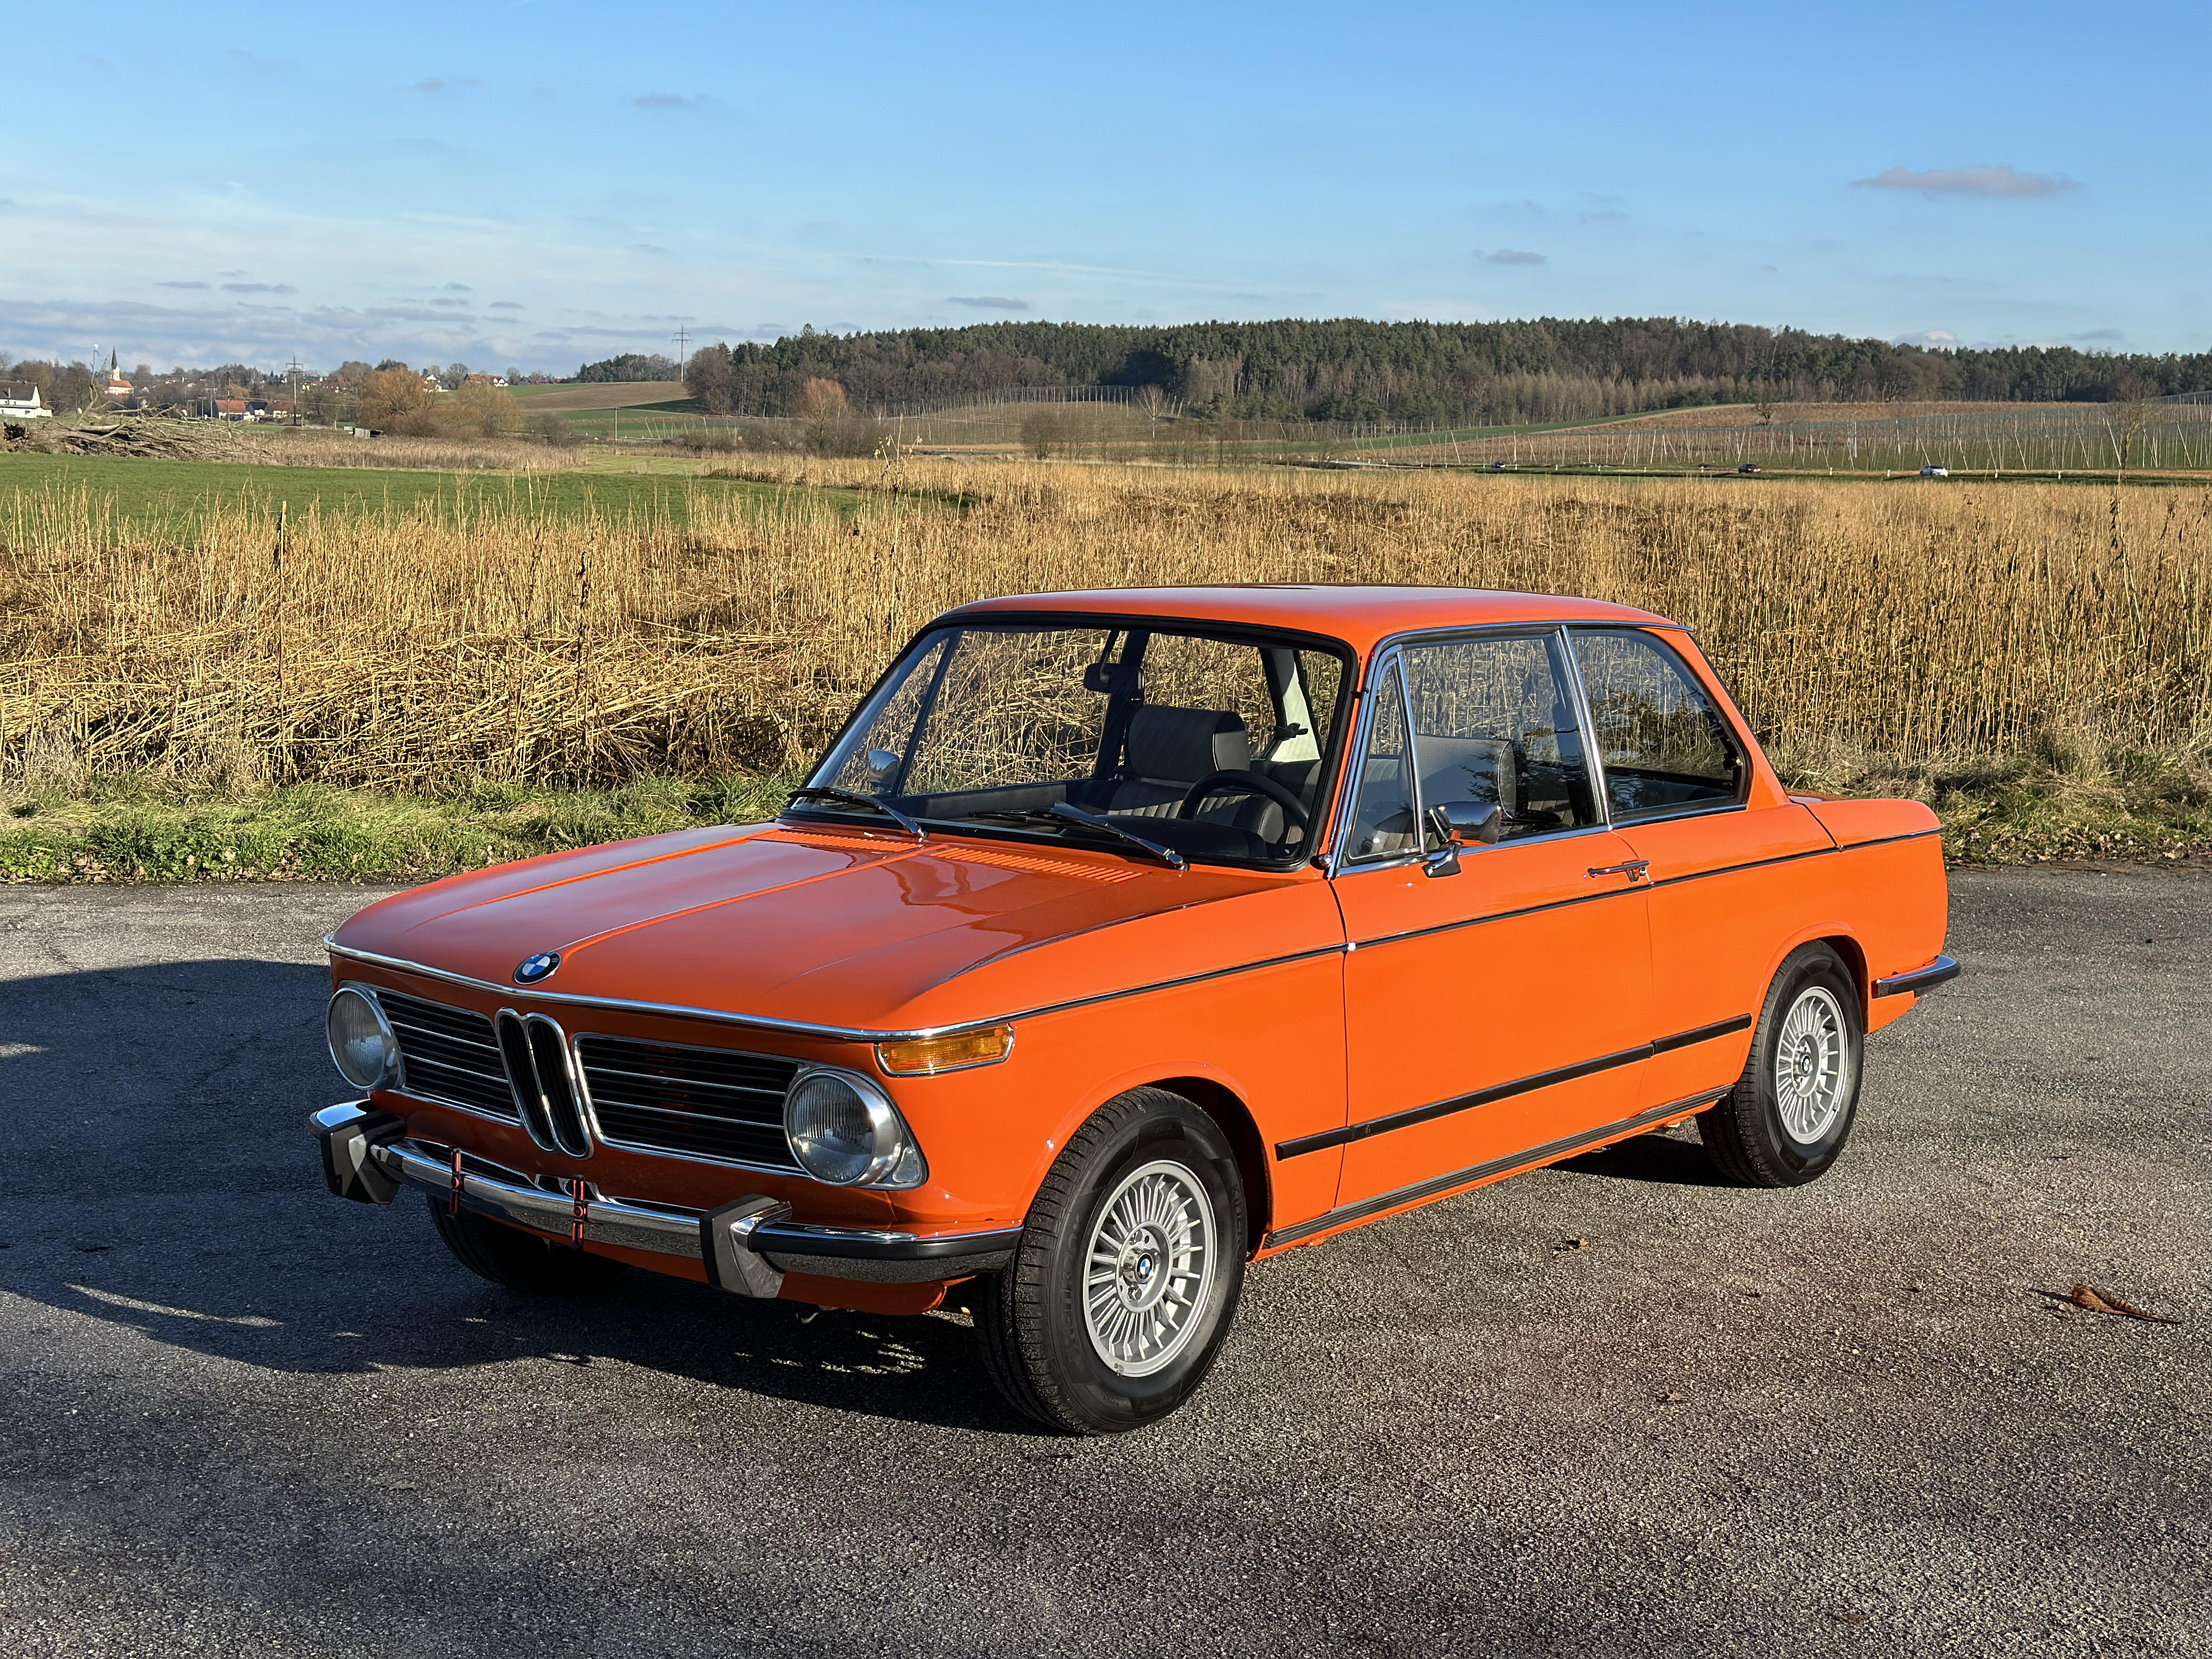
<point>1210,742</point>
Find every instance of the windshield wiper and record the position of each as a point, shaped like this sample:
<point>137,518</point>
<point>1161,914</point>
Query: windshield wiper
<point>1062,812</point>
<point>884,807</point>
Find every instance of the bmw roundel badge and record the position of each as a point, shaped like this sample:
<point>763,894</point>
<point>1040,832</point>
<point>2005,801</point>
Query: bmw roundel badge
<point>530,969</point>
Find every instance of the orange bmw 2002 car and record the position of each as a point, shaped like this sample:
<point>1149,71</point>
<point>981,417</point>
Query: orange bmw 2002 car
<point>1125,938</point>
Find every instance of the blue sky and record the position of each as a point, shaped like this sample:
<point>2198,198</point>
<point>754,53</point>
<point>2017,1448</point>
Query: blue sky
<point>539,184</point>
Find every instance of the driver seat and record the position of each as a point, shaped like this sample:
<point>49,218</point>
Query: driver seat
<point>1171,749</point>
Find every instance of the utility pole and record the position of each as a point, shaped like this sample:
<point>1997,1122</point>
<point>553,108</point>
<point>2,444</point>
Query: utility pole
<point>683,339</point>
<point>292,374</point>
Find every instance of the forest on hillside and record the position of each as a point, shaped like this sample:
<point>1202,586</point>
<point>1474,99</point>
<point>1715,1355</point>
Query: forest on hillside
<point>1450,373</point>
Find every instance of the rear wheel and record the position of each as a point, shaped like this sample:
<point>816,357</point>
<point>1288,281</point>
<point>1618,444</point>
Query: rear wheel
<point>1786,1121</point>
<point>1126,1277</point>
<point>520,1261</point>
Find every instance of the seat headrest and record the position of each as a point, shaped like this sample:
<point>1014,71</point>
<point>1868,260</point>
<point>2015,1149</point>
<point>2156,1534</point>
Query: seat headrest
<point>1184,744</point>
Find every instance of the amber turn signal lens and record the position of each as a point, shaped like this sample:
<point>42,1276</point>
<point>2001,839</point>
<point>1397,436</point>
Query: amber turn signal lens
<point>920,1056</point>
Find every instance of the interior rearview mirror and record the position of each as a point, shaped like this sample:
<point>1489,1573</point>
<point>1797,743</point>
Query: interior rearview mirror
<point>881,762</point>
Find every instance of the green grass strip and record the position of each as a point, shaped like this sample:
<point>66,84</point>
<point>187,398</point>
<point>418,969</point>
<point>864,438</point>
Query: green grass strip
<point>136,831</point>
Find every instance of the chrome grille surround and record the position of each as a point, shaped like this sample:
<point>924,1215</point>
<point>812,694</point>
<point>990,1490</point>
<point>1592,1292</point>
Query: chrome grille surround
<point>542,1073</point>
<point>679,1100</point>
<point>706,1105</point>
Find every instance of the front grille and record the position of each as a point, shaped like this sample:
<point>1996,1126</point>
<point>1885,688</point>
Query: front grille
<point>695,1102</point>
<point>536,1050</point>
<point>449,1055</point>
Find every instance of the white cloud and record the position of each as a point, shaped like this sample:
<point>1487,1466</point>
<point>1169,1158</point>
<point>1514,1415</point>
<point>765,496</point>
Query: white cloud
<point>1979,180</point>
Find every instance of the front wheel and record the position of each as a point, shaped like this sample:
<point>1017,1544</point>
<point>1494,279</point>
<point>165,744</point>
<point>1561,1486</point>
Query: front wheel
<point>1130,1265</point>
<point>1786,1121</point>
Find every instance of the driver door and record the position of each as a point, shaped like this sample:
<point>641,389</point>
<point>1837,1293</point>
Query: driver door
<point>1497,1001</point>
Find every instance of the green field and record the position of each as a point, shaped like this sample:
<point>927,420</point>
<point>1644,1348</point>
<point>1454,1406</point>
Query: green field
<point>147,491</point>
<point>637,421</point>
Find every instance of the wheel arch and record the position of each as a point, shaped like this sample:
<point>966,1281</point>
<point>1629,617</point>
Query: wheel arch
<point>1855,959</point>
<point>1837,938</point>
<point>1221,1103</point>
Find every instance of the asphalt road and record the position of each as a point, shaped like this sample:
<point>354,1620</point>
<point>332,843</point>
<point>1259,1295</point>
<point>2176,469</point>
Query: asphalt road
<point>237,1416</point>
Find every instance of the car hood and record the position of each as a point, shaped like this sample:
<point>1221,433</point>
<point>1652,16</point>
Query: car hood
<point>848,929</point>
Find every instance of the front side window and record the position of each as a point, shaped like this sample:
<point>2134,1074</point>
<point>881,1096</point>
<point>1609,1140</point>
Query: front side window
<point>1491,722</point>
<point>1494,723</point>
<point>1212,742</point>
<point>1665,746</point>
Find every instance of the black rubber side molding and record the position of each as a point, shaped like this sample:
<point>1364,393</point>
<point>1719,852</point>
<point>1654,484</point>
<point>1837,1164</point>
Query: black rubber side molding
<point>1490,1096</point>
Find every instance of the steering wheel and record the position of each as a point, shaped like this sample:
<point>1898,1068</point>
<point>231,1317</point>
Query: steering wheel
<point>1257,783</point>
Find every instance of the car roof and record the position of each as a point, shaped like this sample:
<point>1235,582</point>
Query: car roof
<point>1361,616</point>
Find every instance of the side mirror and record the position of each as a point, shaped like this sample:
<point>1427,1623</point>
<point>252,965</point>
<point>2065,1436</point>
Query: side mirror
<point>1467,824</point>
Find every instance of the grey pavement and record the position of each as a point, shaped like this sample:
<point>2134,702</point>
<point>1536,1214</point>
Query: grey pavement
<point>237,1416</point>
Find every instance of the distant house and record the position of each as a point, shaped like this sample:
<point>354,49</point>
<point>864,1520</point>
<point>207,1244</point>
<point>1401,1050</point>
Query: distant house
<point>115,386</point>
<point>20,401</point>
<point>228,409</point>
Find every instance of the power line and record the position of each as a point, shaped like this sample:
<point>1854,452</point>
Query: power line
<point>683,339</point>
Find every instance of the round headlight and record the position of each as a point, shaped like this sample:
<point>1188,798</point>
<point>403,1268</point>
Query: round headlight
<point>362,1043</point>
<point>845,1131</point>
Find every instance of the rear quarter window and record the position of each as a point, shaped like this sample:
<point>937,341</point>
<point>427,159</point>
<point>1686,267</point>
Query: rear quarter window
<point>1664,746</point>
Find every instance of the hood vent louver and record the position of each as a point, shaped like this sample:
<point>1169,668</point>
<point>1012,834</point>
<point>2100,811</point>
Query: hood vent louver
<point>543,1079</point>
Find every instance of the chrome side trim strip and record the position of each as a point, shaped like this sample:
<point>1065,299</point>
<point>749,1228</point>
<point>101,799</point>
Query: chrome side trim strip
<point>800,1028</point>
<point>1942,972</point>
<point>1437,1186</point>
<point>1623,892</point>
<point>719,1015</point>
<point>850,1033</point>
<point>1158,985</point>
<point>1457,1103</point>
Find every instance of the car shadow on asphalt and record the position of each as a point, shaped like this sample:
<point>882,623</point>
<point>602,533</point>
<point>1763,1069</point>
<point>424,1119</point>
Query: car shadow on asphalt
<point>162,1179</point>
<point>1656,1157</point>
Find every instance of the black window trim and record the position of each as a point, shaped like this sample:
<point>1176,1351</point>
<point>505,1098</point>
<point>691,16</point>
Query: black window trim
<point>1743,752</point>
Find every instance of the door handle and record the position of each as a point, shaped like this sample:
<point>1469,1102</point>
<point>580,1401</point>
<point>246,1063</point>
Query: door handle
<point>1636,870</point>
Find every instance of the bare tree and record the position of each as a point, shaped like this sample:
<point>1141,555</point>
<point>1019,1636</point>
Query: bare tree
<point>819,400</point>
<point>1151,403</point>
<point>2130,405</point>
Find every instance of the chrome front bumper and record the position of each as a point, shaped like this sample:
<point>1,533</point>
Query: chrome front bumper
<point>747,1245</point>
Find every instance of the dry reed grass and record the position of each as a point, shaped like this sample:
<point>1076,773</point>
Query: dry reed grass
<point>398,653</point>
<point>323,446</point>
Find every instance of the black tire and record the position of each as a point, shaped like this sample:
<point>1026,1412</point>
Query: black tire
<point>520,1261</point>
<point>1037,1342</point>
<point>1748,1135</point>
